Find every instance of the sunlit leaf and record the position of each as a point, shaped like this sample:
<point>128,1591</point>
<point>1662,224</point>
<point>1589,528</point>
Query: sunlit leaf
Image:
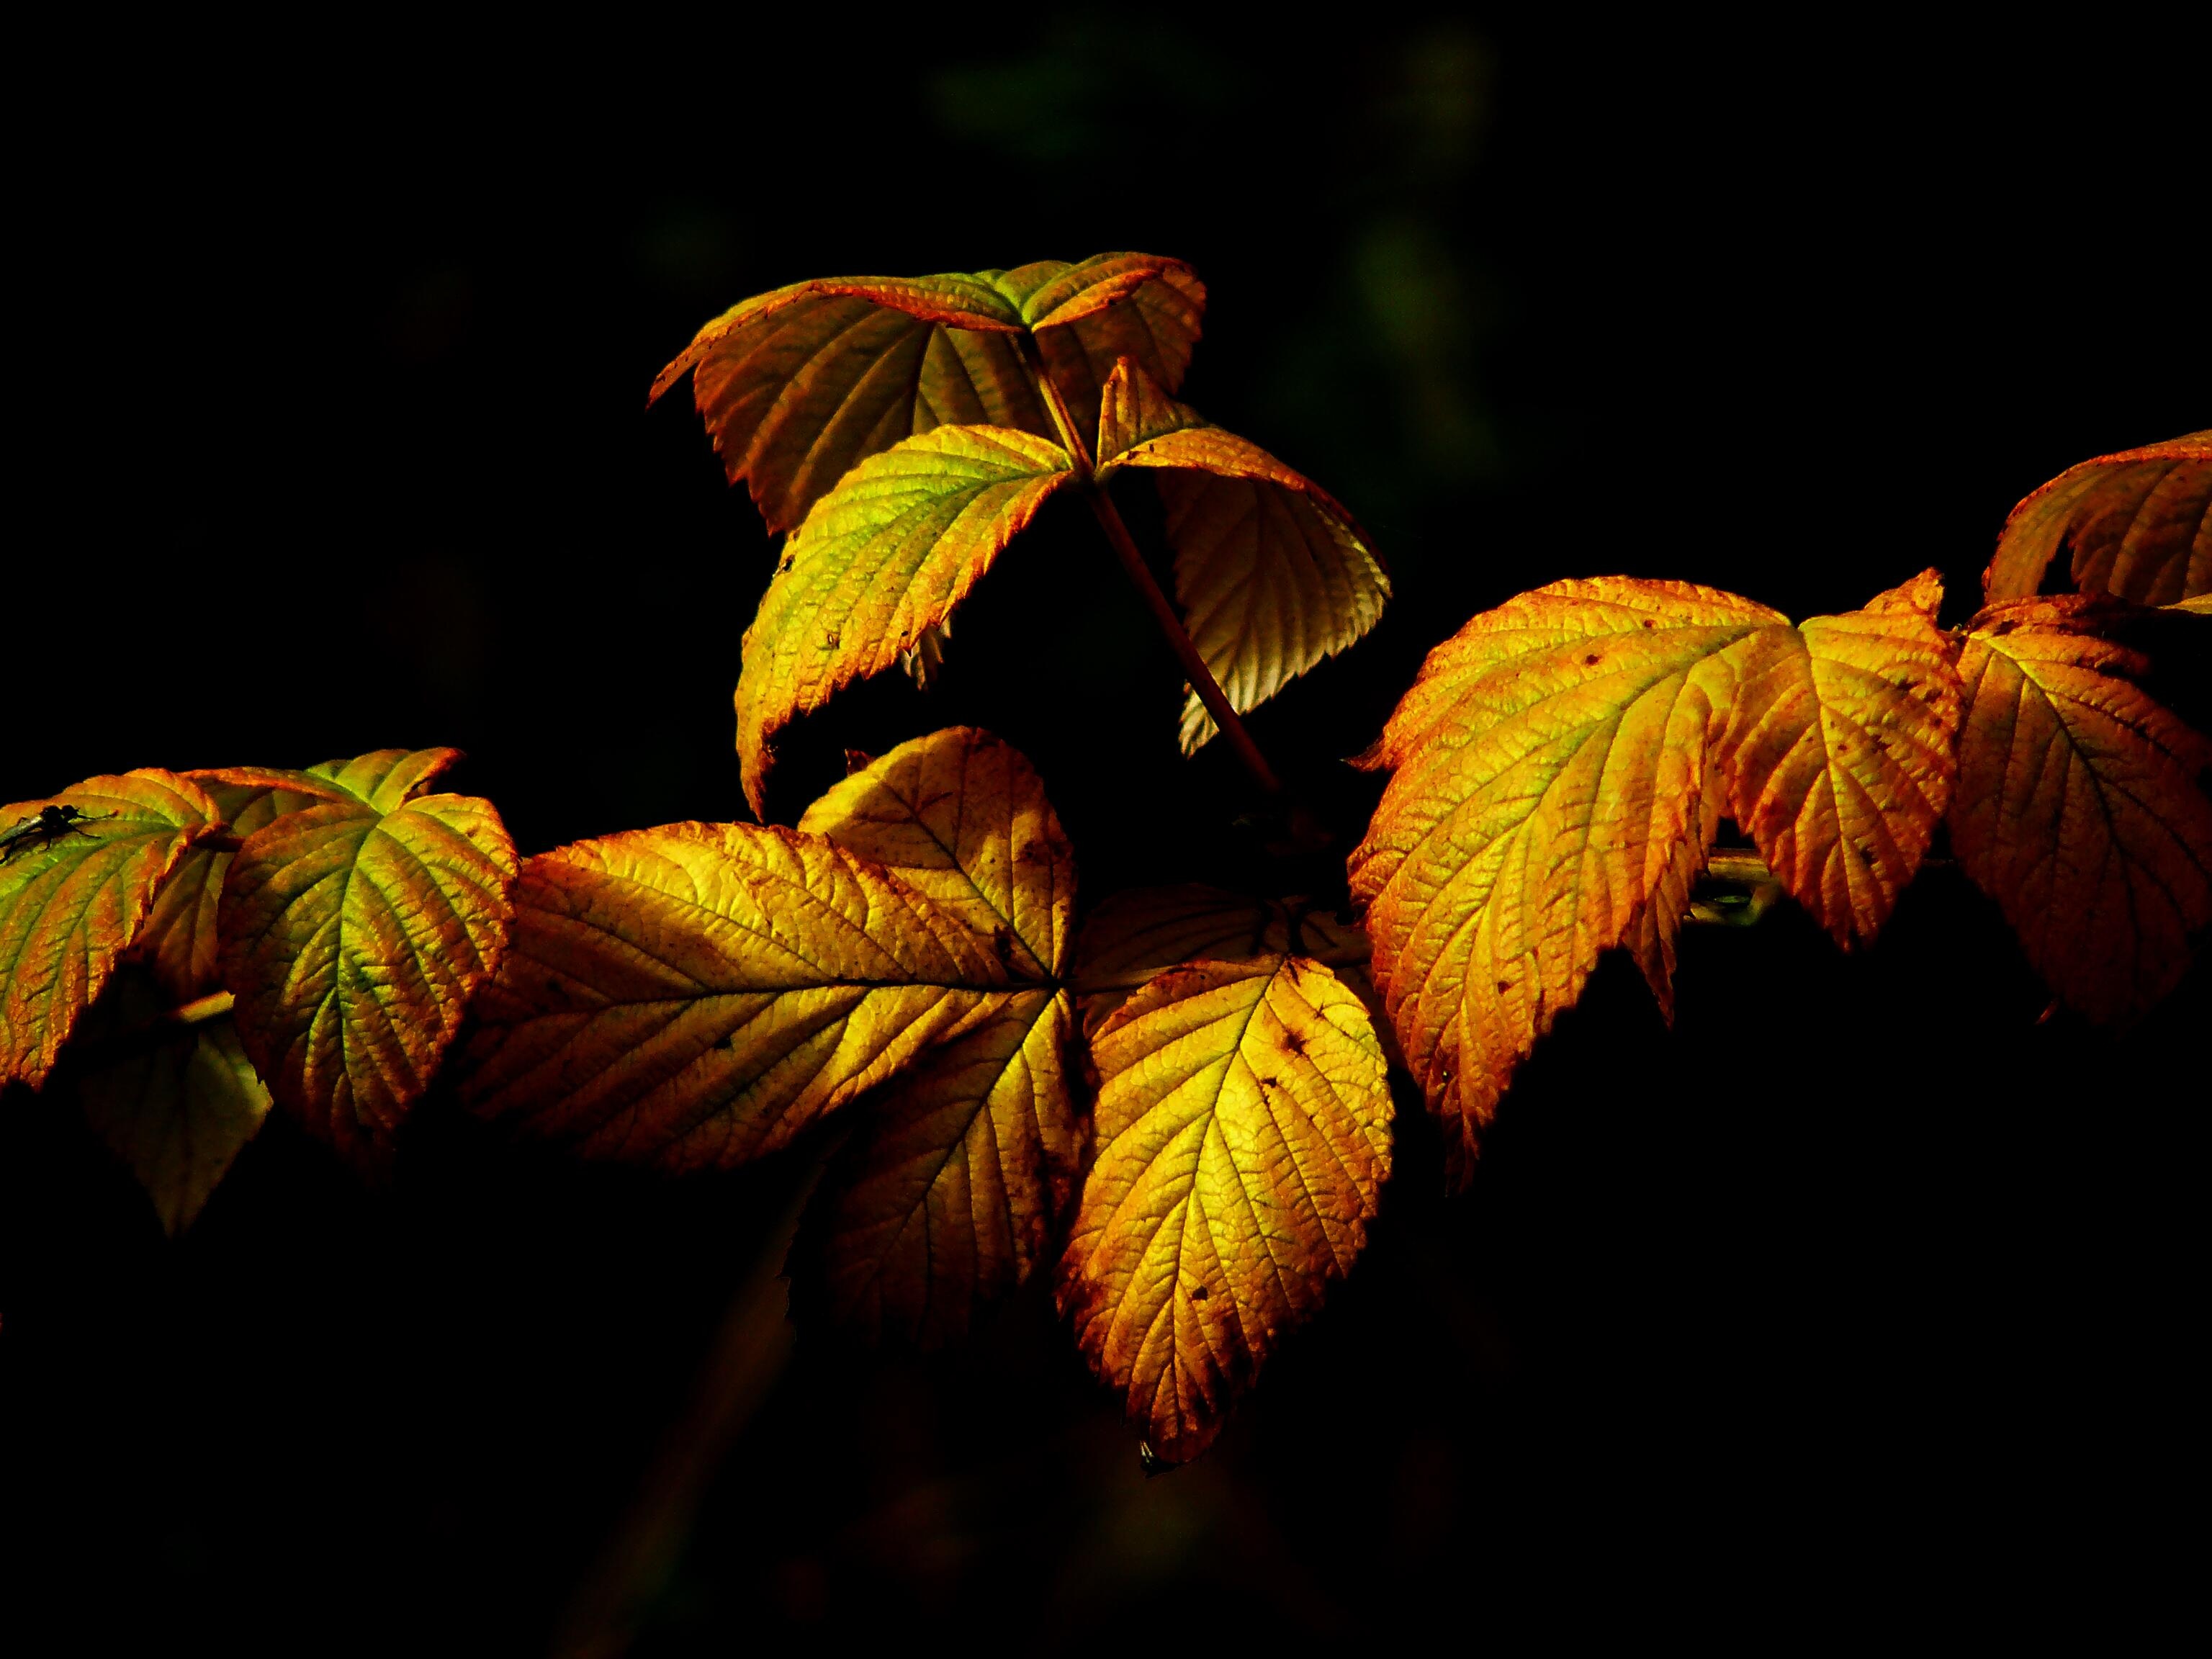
<point>799,386</point>
<point>964,817</point>
<point>353,935</point>
<point>175,1101</point>
<point>2081,805</point>
<point>1551,762</point>
<point>71,903</point>
<point>947,1195</point>
<point>2137,524</point>
<point>1273,574</point>
<point>1243,1135</point>
<point>885,556</point>
<point>1138,933</point>
<point>1839,757</point>
<point>697,994</point>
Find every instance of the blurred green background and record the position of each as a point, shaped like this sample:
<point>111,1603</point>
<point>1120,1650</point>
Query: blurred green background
<point>1860,1292</point>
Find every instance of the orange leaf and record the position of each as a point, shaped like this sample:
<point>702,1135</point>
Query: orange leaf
<point>1243,1135</point>
<point>2139,526</point>
<point>1838,755</point>
<point>1138,933</point>
<point>963,817</point>
<point>799,386</point>
<point>1273,574</point>
<point>353,935</point>
<point>946,1198</point>
<point>74,898</point>
<point>2081,805</point>
<point>699,993</point>
<point>885,556</point>
<point>1552,762</point>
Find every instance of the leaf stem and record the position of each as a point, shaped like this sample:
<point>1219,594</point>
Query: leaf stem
<point>1148,589</point>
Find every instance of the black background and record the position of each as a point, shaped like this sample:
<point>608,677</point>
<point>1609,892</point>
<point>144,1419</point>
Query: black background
<point>1859,1296</point>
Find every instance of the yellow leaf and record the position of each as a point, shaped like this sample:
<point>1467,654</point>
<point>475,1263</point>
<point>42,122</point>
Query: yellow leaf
<point>699,993</point>
<point>353,935</point>
<point>2081,805</point>
<point>2139,526</point>
<point>1243,1135</point>
<point>1138,933</point>
<point>1839,756</point>
<point>946,1198</point>
<point>1551,764</point>
<point>1273,574</point>
<point>963,817</point>
<point>885,556</point>
<point>79,873</point>
<point>175,1101</point>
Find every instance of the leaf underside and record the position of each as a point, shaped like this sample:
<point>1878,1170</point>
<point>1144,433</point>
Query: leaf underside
<point>2081,805</point>
<point>2137,524</point>
<point>1559,769</point>
<point>1243,1125</point>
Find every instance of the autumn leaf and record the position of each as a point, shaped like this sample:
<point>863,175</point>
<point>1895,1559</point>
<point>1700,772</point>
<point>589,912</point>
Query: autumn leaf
<point>1147,930</point>
<point>1551,762</point>
<point>799,386</point>
<point>1838,754</point>
<point>353,935</point>
<point>887,555</point>
<point>72,902</point>
<point>2081,805</point>
<point>2138,526</point>
<point>179,942</point>
<point>695,995</point>
<point>1243,1135</point>
<point>946,1196</point>
<point>176,1099</point>
<point>1273,574</point>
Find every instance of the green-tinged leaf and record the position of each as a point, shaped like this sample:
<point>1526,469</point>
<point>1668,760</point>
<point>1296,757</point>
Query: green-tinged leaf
<point>1243,1136</point>
<point>1273,574</point>
<point>948,1195</point>
<point>697,994</point>
<point>1138,933</point>
<point>176,1100</point>
<point>2137,524</point>
<point>353,937</point>
<point>887,555</point>
<point>963,817</point>
<point>799,386</point>
<point>2081,805</point>
<point>73,899</point>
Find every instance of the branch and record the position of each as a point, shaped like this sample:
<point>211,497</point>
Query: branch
<point>1141,573</point>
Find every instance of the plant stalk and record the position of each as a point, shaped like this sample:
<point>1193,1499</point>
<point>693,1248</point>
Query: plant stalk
<point>1141,573</point>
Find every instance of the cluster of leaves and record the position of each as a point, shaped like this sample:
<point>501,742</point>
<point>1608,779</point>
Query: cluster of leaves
<point>1182,1101</point>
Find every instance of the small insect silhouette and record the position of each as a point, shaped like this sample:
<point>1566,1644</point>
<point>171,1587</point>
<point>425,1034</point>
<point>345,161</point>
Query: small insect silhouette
<point>1149,1461</point>
<point>51,824</point>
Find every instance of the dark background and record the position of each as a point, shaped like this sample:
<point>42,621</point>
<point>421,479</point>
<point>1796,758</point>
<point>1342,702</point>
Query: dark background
<point>1859,1296</point>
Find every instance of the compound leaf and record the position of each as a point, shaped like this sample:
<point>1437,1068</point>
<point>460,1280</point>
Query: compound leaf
<point>71,903</point>
<point>1552,762</point>
<point>1273,574</point>
<point>2138,526</point>
<point>947,1197</point>
<point>885,556</point>
<point>2081,805</point>
<point>353,935</point>
<point>175,1101</point>
<point>1839,756</point>
<point>698,993</point>
<point>1243,1135</point>
<point>798,387</point>
<point>964,817</point>
<point>1145,930</point>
